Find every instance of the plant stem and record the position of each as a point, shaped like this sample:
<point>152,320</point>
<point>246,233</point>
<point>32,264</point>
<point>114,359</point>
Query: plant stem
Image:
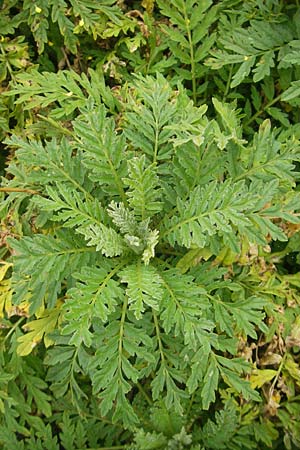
<point>277,375</point>
<point>190,405</point>
<point>160,346</point>
<point>228,82</point>
<point>144,393</point>
<point>156,139</point>
<point>193,69</point>
<point>101,419</point>
<point>72,180</point>
<point>58,126</point>
<point>258,113</point>
<point>13,329</point>
<point>121,334</point>
<point>72,379</point>
<point>28,191</point>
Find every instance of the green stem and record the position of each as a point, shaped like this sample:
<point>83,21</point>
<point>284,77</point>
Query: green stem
<point>190,404</point>
<point>254,169</point>
<point>262,110</point>
<point>190,219</point>
<point>118,182</point>
<point>72,378</point>
<point>66,252</point>
<point>108,277</point>
<point>193,69</point>
<point>228,83</point>
<point>156,140</point>
<point>160,346</point>
<point>58,126</point>
<point>144,393</point>
<point>12,329</point>
<point>121,334</point>
<point>74,182</point>
<point>172,296</point>
<point>101,419</point>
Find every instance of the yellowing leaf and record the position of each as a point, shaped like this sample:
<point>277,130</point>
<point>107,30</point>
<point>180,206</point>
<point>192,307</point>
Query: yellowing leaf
<point>37,330</point>
<point>273,404</point>
<point>294,338</point>
<point>271,359</point>
<point>192,258</point>
<point>5,289</point>
<point>3,269</point>
<point>227,256</point>
<point>6,305</point>
<point>292,368</point>
<point>16,310</point>
<point>148,5</point>
<point>5,295</point>
<point>260,377</point>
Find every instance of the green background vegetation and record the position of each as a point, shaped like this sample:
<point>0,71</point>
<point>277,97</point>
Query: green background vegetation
<point>149,273</point>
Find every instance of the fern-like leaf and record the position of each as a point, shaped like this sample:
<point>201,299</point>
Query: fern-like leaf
<point>94,297</point>
<point>151,100</point>
<point>222,208</point>
<point>138,236</point>
<point>105,239</point>
<point>243,315</point>
<point>253,48</point>
<point>184,308</point>
<point>70,206</point>
<point>62,93</point>
<point>143,287</point>
<point>218,433</point>
<point>44,164</point>
<point>267,158</point>
<point>190,40</point>
<point>103,149</point>
<point>42,263</point>
<point>143,192</point>
<point>112,371</point>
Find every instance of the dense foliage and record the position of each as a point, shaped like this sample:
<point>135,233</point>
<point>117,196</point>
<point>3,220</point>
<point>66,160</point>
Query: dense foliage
<point>150,267</point>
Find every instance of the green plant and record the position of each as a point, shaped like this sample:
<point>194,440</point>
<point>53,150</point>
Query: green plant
<point>122,219</point>
<point>190,37</point>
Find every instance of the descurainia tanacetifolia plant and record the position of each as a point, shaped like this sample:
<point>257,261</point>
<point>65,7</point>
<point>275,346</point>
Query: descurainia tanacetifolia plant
<point>120,275</point>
